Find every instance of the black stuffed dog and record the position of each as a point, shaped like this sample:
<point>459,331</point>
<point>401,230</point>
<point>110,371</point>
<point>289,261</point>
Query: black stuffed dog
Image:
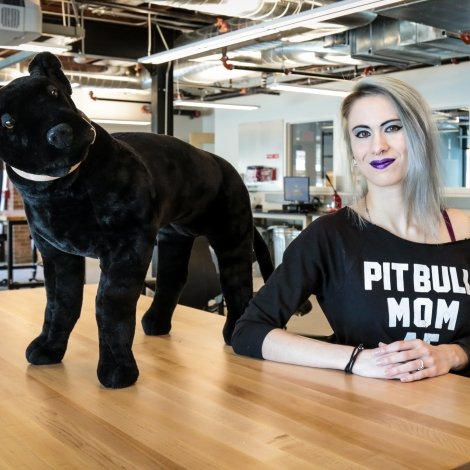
<point>91,194</point>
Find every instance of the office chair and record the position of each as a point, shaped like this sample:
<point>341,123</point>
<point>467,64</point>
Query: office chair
<point>202,289</point>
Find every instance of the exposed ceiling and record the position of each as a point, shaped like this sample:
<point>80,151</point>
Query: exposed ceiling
<point>106,38</point>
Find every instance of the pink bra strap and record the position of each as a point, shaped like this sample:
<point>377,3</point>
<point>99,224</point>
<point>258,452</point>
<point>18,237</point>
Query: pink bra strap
<point>448,225</point>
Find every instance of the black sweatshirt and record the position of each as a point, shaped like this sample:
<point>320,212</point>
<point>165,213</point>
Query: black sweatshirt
<point>372,286</point>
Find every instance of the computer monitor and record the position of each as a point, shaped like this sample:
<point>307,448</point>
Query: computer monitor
<point>296,189</point>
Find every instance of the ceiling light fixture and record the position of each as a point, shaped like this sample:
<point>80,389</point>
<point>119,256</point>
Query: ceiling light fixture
<point>38,47</point>
<point>310,17</point>
<point>211,105</point>
<point>121,122</point>
<point>306,89</point>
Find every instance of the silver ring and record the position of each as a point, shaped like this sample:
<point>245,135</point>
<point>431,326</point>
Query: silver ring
<point>421,366</point>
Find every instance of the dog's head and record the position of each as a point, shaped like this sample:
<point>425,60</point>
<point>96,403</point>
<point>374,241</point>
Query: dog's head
<point>41,131</point>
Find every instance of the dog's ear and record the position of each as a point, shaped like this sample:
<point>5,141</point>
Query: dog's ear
<point>48,65</point>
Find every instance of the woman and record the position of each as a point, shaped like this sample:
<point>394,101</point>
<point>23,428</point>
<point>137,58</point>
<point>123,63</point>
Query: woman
<point>391,271</point>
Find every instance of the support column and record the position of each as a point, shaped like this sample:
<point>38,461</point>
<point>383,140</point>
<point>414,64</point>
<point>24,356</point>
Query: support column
<point>162,98</point>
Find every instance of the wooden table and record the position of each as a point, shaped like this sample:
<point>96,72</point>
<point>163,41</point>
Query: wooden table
<point>199,406</point>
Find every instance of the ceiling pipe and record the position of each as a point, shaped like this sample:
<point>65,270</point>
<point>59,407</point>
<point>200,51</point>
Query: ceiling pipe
<point>239,93</point>
<point>284,71</point>
<point>146,108</point>
<point>96,98</point>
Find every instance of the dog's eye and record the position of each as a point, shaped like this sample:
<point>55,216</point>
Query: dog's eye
<point>53,91</point>
<point>8,122</point>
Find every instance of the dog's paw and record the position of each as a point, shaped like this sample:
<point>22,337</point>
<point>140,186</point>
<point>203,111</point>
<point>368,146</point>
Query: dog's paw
<point>121,376</point>
<point>228,331</point>
<point>153,326</point>
<point>41,352</point>
<point>117,374</point>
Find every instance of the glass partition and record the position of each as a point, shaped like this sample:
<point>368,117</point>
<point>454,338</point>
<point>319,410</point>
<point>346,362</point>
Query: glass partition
<point>310,150</point>
<point>453,130</point>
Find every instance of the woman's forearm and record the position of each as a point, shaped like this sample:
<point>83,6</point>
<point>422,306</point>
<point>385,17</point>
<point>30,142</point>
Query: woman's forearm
<point>282,346</point>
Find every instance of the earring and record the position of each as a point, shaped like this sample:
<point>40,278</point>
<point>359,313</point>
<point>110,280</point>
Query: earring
<point>353,164</point>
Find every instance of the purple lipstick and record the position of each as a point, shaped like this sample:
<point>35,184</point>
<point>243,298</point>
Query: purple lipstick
<point>382,164</point>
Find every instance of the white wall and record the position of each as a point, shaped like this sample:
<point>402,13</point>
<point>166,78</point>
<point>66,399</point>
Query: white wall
<point>291,108</point>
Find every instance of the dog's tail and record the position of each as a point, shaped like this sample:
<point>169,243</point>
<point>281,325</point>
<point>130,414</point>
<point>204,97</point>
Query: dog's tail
<point>266,266</point>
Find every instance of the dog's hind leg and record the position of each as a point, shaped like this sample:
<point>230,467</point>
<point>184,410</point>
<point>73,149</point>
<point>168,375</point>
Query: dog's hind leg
<point>64,276</point>
<point>236,277</point>
<point>174,250</point>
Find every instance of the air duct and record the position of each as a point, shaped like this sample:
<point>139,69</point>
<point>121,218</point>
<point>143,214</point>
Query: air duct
<point>244,13</point>
<point>252,9</point>
<point>403,43</point>
<point>86,79</point>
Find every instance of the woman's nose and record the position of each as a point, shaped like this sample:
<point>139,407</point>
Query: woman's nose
<point>379,144</point>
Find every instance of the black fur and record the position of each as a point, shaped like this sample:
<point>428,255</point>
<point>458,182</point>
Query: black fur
<point>128,189</point>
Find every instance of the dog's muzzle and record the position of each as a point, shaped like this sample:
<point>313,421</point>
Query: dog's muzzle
<point>60,136</point>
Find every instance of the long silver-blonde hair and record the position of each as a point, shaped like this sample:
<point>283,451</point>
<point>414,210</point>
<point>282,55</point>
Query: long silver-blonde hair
<point>422,184</point>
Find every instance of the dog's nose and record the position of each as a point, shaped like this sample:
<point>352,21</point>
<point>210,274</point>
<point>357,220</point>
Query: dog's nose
<point>60,136</point>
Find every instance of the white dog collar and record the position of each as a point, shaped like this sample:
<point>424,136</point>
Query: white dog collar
<point>34,177</point>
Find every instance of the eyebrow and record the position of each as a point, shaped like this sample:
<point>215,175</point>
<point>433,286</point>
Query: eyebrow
<point>364,126</point>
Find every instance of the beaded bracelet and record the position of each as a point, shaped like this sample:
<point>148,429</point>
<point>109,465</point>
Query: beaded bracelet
<point>355,353</point>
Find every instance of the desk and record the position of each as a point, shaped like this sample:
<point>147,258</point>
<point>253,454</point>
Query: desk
<point>197,405</point>
<point>10,219</point>
<point>305,219</point>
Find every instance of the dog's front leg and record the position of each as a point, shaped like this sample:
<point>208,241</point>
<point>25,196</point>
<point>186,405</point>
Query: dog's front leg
<point>64,276</point>
<point>118,291</point>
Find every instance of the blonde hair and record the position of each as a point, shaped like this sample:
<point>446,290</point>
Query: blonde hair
<point>422,184</point>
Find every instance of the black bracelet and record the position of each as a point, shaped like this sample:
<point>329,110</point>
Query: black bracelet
<point>355,353</point>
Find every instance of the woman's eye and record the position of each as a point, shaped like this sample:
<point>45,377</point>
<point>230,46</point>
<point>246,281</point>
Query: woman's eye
<point>394,128</point>
<point>52,90</point>
<point>8,122</point>
<point>361,134</point>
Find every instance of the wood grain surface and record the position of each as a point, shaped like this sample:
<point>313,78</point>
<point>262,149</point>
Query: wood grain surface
<point>197,405</point>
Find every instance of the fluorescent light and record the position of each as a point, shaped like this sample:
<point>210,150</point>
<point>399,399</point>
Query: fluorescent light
<point>121,122</point>
<point>38,47</point>
<point>55,45</point>
<point>306,89</point>
<point>313,16</point>
<point>210,104</point>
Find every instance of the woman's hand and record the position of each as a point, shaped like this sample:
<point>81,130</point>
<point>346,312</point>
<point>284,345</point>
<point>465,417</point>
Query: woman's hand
<point>410,360</point>
<point>398,360</point>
